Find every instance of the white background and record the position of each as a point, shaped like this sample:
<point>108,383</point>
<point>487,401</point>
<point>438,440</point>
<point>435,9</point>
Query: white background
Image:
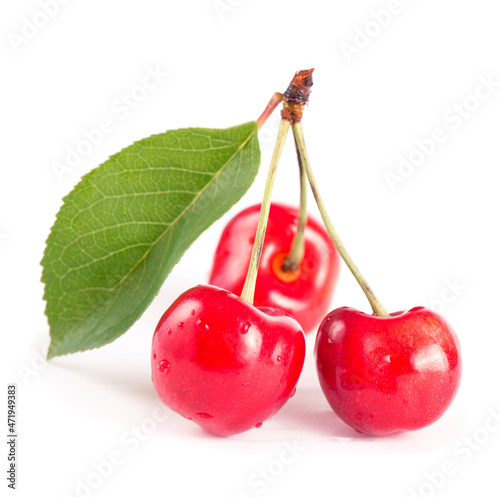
<point>439,226</point>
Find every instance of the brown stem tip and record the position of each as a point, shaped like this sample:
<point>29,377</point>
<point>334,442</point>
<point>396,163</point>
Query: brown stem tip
<point>299,89</point>
<point>297,95</point>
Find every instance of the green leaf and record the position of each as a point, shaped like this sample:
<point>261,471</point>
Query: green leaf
<point>128,222</point>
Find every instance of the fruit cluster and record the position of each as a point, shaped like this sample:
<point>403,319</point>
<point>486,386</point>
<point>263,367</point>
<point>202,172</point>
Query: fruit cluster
<point>229,363</point>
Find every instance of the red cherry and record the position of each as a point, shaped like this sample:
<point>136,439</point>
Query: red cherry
<point>223,363</point>
<point>305,294</point>
<point>384,375</point>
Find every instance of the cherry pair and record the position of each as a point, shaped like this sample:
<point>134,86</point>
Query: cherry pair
<point>229,366</point>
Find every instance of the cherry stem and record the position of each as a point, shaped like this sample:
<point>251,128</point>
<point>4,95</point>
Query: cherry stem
<point>377,307</point>
<point>276,99</point>
<point>251,279</point>
<point>296,254</point>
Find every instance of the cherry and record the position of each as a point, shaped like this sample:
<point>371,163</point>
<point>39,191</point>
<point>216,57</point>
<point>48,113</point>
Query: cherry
<point>384,375</point>
<point>306,292</point>
<point>223,363</point>
<point>217,359</point>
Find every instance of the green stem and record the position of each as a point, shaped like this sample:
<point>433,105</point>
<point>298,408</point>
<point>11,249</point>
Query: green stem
<point>296,254</point>
<point>249,287</point>
<point>377,307</point>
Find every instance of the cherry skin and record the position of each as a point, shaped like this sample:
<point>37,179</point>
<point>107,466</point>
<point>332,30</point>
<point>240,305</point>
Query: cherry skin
<point>224,363</point>
<point>305,294</point>
<point>385,375</point>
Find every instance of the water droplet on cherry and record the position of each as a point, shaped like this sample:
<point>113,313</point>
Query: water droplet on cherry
<point>169,331</point>
<point>192,312</point>
<point>202,325</point>
<point>204,415</point>
<point>180,325</point>
<point>154,355</point>
<point>246,326</point>
<point>164,367</point>
<point>279,358</point>
<point>293,393</point>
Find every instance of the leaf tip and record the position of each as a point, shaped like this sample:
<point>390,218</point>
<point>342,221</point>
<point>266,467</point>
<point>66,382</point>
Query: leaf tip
<point>52,352</point>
